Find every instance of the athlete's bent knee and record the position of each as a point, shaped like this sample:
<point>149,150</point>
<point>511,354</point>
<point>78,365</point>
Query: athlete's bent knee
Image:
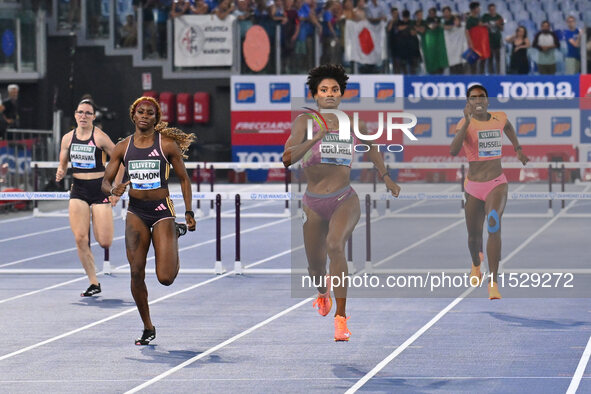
<point>493,222</point>
<point>166,281</point>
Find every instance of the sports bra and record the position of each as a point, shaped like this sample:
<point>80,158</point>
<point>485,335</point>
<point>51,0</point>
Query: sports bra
<point>330,150</point>
<point>484,139</point>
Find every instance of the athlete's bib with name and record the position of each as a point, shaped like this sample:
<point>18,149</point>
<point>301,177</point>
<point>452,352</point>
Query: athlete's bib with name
<point>144,174</point>
<point>490,143</point>
<point>336,151</point>
<point>82,156</point>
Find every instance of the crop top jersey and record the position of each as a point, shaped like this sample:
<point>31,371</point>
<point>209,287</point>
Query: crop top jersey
<point>484,139</point>
<point>330,150</point>
<point>85,156</point>
<point>147,168</point>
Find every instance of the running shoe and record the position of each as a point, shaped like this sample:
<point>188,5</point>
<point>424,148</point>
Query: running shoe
<point>475,276</point>
<point>493,291</point>
<point>323,303</point>
<point>341,332</point>
<point>181,229</point>
<point>147,336</point>
<point>92,290</point>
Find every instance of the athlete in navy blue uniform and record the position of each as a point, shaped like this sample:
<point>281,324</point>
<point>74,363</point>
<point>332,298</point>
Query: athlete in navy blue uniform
<point>147,156</point>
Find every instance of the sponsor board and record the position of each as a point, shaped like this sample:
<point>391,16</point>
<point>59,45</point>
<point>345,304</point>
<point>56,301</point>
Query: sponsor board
<point>449,92</point>
<point>585,127</point>
<point>268,93</point>
<point>561,126</point>
<point>260,154</point>
<point>526,126</point>
<point>440,154</point>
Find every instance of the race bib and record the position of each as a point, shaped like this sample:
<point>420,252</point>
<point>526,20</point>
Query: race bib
<point>336,151</point>
<point>144,174</point>
<point>489,143</point>
<point>82,156</point>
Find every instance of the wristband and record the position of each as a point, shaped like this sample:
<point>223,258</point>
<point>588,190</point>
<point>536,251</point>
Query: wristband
<point>112,190</point>
<point>518,147</point>
<point>384,175</point>
<point>190,213</point>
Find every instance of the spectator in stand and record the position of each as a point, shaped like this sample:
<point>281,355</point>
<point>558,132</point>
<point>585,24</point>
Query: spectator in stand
<point>546,43</point>
<point>277,11</point>
<point>392,30</point>
<point>432,18</point>
<point>289,34</point>
<point>9,110</point>
<point>419,23</point>
<point>330,42</point>
<point>225,8</point>
<point>161,26</point>
<point>572,36</point>
<point>149,29</point>
<point>519,63</point>
<point>360,10</point>
<point>180,8</point>
<point>376,12</point>
<point>200,7</point>
<point>244,18</point>
<point>348,10</point>
<point>129,32</point>
<point>304,48</point>
<point>495,27</point>
<point>447,18</point>
<point>474,20</point>
<point>410,54</point>
<point>456,45</point>
<point>433,44</point>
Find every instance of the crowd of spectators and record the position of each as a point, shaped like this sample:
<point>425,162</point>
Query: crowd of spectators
<point>441,42</point>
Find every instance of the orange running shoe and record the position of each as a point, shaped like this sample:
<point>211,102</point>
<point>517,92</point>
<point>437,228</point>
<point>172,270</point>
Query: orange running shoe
<point>323,303</point>
<point>475,276</point>
<point>341,332</point>
<point>493,291</point>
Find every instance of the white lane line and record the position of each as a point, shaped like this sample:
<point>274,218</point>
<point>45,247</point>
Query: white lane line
<point>148,259</point>
<point>294,379</point>
<point>219,346</point>
<point>43,289</point>
<point>133,309</point>
<point>442,313</point>
<point>16,219</point>
<point>33,234</point>
<point>51,254</point>
<point>574,384</point>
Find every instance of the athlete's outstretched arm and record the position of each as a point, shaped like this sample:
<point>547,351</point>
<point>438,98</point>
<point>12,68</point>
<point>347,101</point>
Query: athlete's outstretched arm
<point>297,145</point>
<point>175,157</point>
<point>378,161</point>
<point>510,133</point>
<point>458,141</point>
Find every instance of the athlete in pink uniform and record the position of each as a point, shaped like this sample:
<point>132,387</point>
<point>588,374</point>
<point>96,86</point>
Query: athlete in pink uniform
<point>480,133</point>
<point>331,206</point>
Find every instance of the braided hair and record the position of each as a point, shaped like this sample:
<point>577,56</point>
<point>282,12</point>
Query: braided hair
<point>182,139</point>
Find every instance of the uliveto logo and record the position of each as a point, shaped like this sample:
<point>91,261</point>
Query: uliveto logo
<point>345,128</point>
